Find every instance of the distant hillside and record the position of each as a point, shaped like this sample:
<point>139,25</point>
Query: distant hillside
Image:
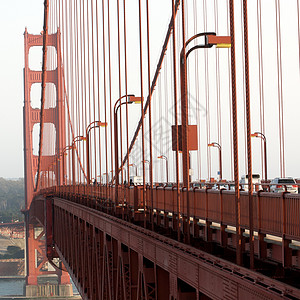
<point>11,199</point>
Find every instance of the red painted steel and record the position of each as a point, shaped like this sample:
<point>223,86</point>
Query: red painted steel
<point>111,256</point>
<point>113,259</point>
<point>208,205</point>
<point>31,166</point>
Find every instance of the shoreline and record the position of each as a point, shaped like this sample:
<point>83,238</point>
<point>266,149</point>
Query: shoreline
<point>13,277</point>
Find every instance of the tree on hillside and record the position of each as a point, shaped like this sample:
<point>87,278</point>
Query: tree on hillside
<point>11,199</point>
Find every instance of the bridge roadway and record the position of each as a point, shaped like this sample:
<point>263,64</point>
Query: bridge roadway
<point>19,225</point>
<point>111,258</point>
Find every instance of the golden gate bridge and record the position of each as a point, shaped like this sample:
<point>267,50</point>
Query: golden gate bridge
<point>120,164</point>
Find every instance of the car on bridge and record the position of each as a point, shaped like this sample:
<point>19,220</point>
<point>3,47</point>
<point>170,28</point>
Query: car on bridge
<point>255,181</point>
<point>220,186</point>
<point>279,185</point>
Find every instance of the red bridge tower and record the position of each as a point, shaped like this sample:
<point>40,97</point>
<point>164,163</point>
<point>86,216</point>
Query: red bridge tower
<point>36,259</point>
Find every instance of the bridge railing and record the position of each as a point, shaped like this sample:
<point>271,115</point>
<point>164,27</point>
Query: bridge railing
<point>273,213</point>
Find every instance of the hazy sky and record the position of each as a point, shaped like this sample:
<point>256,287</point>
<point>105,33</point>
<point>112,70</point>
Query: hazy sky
<point>14,17</point>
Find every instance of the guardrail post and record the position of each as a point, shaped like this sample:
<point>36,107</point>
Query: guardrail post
<point>185,218</point>
<point>262,245</point>
<point>286,250</point>
<point>222,226</point>
<point>49,227</point>
<point>136,199</point>
<point>208,231</point>
<point>174,213</point>
<point>195,220</point>
<point>166,220</point>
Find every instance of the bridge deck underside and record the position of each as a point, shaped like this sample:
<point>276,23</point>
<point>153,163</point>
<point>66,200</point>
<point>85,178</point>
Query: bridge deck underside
<point>109,258</point>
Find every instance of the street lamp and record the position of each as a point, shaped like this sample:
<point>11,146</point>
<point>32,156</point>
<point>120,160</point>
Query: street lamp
<point>220,156</point>
<point>210,40</point>
<point>76,139</point>
<point>263,137</point>
<point>91,126</point>
<point>166,159</point>
<point>134,165</point>
<point>131,99</point>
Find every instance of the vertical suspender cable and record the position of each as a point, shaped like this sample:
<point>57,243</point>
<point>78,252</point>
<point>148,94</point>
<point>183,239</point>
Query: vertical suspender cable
<point>150,117</point>
<point>244,93</point>
<point>94,89</point>
<point>110,99</point>
<point>280,88</point>
<point>44,78</point>
<point>219,128</point>
<point>105,98</point>
<point>250,183</point>
<point>235,139</point>
<point>261,80</point>
<point>142,108</point>
<point>176,121</point>
<point>126,87</point>
<point>120,89</point>
<point>229,97</point>
<point>153,84</point>
<point>88,66</point>
<point>207,95</point>
<point>98,94</point>
<point>77,68</point>
<point>198,115</point>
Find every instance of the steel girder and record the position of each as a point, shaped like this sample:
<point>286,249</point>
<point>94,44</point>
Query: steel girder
<point>112,259</point>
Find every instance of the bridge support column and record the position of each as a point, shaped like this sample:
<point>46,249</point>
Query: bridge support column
<point>36,258</point>
<point>286,253</point>
<point>158,218</point>
<point>262,246</point>
<point>224,236</point>
<point>31,290</point>
<point>174,222</point>
<point>208,231</point>
<point>31,278</point>
<point>172,285</point>
<point>65,290</point>
<point>186,292</point>
<point>186,229</point>
<point>196,229</point>
<point>166,220</point>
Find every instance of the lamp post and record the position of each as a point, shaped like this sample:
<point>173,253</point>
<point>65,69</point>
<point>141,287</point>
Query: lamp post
<point>167,167</point>
<point>91,126</point>
<point>214,144</point>
<point>210,40</point>
<point>132,99</point>
<point>76,139</point>
<point>263,137</point>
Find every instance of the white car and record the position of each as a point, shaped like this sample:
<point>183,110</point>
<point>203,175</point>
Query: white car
<point>255,181</point>
<point>219,186</point>
<point>279,185</point>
